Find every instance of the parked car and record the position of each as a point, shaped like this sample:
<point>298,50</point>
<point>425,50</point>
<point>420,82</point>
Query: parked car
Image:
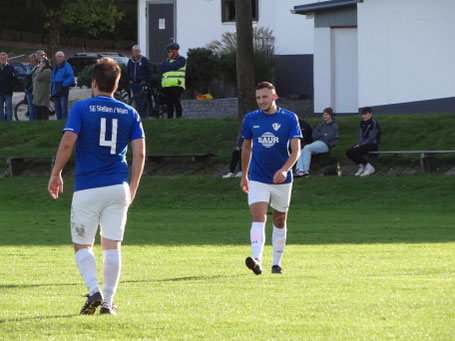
<point>21,71</point>
<point>80,60</point>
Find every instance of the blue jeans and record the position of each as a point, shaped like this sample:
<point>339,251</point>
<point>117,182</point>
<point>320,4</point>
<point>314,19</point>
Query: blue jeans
<point>31,107</point>
<point>304,161</point>
<point>8,101</point>
<point>61,107</point>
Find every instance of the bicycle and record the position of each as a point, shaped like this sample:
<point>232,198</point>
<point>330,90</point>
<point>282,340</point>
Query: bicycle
<point>21,110</point>
<point>122,95</point>
<point>150,101</point>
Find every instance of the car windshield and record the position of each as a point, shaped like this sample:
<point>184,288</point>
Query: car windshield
<point>121,60</point>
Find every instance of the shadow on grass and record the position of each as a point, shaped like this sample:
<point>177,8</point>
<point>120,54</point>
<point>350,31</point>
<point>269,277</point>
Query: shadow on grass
<point>177,279</point>
<point>38,318</point>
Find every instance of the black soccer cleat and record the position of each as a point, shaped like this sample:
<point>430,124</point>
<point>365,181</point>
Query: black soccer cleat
<point>107,308</point>
<point>254,265</point>
<point>276,269</point>
<point>93,302</point>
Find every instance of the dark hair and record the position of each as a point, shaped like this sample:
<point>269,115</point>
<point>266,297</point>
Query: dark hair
<point>329,111</point>
<point>265,85</point>
<point>46,61</point>
<point>366,110</point>
<point>107,74</point>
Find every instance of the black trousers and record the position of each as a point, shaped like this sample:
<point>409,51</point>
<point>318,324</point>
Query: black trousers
<point>173,94</point>
<point>236,157</point>
<point>358,154</point>
<point>42,113</point>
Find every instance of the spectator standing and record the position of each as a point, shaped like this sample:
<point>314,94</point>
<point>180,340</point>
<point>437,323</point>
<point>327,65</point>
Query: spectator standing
<point>62,79</point>
<point>40,54</point>
<point>325,136</point>
<point>370,137</point>
<point>8,79</point>
<point>28,86</point>
<point>173,80</point>
<point>139,71</point>
<point>235,158</point>
<point>41,90</point>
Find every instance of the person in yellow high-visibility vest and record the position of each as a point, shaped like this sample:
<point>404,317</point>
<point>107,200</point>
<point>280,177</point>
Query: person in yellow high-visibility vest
<point>173,80</point>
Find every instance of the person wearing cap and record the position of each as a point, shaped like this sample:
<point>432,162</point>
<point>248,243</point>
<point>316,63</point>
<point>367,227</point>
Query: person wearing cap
<point>139,72</point>
<point>370,136</point>
<point>62,79</point>
<point>325,136</point>
<point>41,90</point>
<point>173,79</point>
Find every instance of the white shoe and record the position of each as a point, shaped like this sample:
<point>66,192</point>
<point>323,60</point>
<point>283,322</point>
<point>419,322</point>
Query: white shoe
<point>228,175</point>
<point>368,171</point>
<point>360,171</point>
<point>238,174</point>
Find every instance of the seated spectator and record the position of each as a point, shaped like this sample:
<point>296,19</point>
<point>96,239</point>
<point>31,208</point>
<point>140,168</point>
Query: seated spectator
<point>235,158</point>
<point>370,136</point>
<point>325,136</point>
<point>42,90</point>
<point>306,130</point>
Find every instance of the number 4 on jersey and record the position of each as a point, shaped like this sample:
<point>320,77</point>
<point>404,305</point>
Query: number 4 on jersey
<point>113,141</point>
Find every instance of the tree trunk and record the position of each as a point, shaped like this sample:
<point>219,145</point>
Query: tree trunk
<point>54,38</point>
<point>246,87</point>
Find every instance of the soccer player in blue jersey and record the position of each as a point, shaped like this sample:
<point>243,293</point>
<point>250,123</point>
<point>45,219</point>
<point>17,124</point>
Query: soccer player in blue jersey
<point>101,128</point>
<point>267,177</point>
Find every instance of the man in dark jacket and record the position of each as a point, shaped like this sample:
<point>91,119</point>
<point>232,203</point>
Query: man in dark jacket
<point>370,136</point>
<point>8,79</point>
<point>325,136</point>
<point>139,72</point>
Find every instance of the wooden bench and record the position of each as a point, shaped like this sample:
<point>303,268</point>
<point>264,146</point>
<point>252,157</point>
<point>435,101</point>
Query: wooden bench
<point>193,157</point>
<point>16,163</point>
<point>428,160</point>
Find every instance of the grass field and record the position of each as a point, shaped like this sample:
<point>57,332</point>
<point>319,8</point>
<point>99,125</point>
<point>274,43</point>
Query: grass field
<point>369,259</point>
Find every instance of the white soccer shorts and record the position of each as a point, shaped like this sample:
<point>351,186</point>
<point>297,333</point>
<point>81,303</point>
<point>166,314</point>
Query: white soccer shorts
<point>279,195</point>
<point>105,206</point>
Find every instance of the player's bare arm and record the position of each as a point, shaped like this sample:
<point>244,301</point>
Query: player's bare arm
<point>282,173</point>
<point>246,158</point>
<point>65,149</point>
<point>138,147</point>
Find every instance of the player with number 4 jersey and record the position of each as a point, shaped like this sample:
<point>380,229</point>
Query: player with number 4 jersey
<point>101,128</point>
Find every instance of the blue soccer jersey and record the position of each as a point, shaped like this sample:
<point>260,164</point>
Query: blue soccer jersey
<point>104,127</point>
<point>270,135</point>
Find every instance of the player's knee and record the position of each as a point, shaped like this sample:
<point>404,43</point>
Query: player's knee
<point>279,222</point>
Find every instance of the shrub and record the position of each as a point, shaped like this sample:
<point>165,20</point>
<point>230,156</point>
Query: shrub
<point>202,70</point>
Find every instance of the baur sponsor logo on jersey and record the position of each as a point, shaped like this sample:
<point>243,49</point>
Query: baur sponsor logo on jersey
<point>268,139</point>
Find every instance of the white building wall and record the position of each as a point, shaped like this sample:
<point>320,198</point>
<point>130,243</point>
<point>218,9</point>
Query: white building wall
<point>199,22</point>
<point>406,51</point>
<point>323,87</point>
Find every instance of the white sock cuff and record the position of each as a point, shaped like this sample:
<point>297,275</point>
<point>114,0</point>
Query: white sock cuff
<point>281,231</point>
<point>258,225</point>
<point>84,252</point>
<point>110,255</point>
